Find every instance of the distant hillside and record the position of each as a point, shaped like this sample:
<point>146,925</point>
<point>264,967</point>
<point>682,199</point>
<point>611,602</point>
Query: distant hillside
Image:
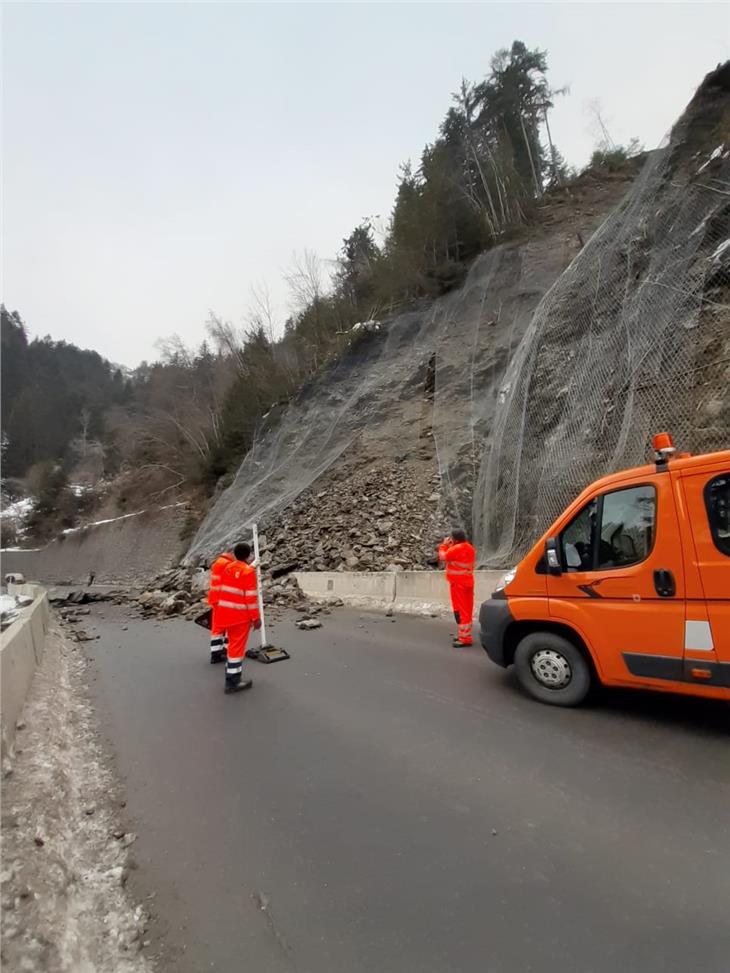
<point>52,394</point>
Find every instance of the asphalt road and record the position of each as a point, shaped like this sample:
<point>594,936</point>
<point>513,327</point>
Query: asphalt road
<point>383,802</point>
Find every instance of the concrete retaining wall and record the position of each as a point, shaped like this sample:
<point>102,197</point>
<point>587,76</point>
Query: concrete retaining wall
<point>21,650</point>
<point>414,592</point>
<point>125,551</point>
<point>359,588</point>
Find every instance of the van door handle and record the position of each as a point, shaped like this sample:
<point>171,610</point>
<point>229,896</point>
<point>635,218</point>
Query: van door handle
<point>664,583</point>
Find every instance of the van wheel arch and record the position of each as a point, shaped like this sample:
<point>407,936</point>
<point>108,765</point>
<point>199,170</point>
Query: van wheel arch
<point>518,630</point>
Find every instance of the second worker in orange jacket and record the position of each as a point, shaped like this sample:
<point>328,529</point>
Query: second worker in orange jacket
<point>458,556</point>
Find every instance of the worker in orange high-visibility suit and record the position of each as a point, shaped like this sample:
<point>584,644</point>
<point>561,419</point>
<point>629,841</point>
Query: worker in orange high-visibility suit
<point>238,611</point>
<point>217,633</point>
<point>458,557</point>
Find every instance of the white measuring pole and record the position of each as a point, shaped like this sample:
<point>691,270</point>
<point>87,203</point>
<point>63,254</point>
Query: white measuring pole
<point>259,587</point>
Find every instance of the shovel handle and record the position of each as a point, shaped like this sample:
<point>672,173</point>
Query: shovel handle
<point>259,586</point>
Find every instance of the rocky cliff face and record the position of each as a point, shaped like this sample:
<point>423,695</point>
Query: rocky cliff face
<point>633,339</point>
<point>554,363</point>
<point>403,418</point>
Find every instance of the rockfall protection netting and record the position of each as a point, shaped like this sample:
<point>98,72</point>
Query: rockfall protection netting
<point>379,402</point>
<point>551,366</point>
<point>633,339</point>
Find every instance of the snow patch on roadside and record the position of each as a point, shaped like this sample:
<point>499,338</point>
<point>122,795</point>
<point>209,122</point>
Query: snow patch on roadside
<point>65,853</point>
<point>19,509</point>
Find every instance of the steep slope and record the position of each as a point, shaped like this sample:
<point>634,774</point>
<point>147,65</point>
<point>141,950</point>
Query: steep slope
<point>553,363</point>
<point>634,338</point>
<point>411,391</point>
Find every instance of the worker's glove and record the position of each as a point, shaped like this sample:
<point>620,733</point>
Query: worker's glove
<point>257,624</point>
<point>255,562</point>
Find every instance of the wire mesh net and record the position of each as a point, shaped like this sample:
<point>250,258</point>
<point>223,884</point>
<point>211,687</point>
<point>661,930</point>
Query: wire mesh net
<point>551,366</point>
<point>634,338</point>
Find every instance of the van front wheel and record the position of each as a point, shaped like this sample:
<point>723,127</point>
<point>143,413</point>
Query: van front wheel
<point>552,669</point>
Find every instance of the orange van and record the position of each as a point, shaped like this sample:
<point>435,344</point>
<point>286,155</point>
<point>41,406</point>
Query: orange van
<point>629,587</point>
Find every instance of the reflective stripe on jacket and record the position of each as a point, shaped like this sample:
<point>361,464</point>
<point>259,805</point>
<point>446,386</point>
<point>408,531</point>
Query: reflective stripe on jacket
<point>460,560</point>
<point>237,595</point>
<point>216,573</point>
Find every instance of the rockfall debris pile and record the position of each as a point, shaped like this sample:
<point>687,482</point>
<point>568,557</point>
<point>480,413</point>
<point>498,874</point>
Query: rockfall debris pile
<point>72,607</point>
<point>68,599</point>
<point>183,592</point>
<point>369,517</point>
<point>361,517</point>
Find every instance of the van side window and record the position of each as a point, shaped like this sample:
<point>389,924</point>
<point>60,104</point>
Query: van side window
<point>627,520</point>
<point>717,501</point>
<point>577,539</point>
<point>627,526</point>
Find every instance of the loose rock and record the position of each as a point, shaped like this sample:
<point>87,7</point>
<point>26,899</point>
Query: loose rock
<point>306,624</point>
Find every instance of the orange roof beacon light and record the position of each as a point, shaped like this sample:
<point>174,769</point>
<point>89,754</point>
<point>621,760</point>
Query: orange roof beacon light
<point>664,448</point>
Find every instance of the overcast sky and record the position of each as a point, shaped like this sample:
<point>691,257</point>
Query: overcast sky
<point>159,159</point>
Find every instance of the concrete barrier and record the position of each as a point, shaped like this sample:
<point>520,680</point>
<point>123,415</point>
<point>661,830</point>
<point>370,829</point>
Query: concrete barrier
<point>412,592</point>
<point>361,589</point>
<point>21,650</point>
<point>425,592</point>
<point>422,593</point>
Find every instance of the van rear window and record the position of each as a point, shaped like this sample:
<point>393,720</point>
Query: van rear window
<point>717,501</point>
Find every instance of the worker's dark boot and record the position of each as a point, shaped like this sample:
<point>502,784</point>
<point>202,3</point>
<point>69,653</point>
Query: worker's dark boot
<point>235,684</point>
<point>219,655</point>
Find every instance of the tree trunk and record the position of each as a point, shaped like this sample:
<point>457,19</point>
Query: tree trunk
<point>485,185</point>
<point>553,160</point>
<point>538,187</point>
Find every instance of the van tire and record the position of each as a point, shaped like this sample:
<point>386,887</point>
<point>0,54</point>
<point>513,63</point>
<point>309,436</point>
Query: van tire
<point>552,669</point>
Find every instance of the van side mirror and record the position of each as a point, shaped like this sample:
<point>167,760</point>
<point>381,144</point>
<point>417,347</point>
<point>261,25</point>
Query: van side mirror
<point>552,556</point>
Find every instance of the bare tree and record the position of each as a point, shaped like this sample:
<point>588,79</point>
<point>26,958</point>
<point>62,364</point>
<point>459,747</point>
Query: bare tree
<point>227,340</point>
<point>305,279</point>
<point>546,104</point>
<point>594,110</point>
<point>85,422</point>
<point>260,314</point>
<point>174,351</point>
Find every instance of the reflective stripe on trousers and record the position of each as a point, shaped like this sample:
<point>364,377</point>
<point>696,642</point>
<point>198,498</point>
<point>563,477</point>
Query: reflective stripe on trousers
<point>237,638</point>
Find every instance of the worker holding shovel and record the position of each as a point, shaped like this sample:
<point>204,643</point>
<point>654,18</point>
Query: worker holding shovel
<point>237,612</point>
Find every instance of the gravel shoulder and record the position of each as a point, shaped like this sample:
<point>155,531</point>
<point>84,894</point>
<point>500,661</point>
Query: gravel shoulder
<point>65,905</point>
